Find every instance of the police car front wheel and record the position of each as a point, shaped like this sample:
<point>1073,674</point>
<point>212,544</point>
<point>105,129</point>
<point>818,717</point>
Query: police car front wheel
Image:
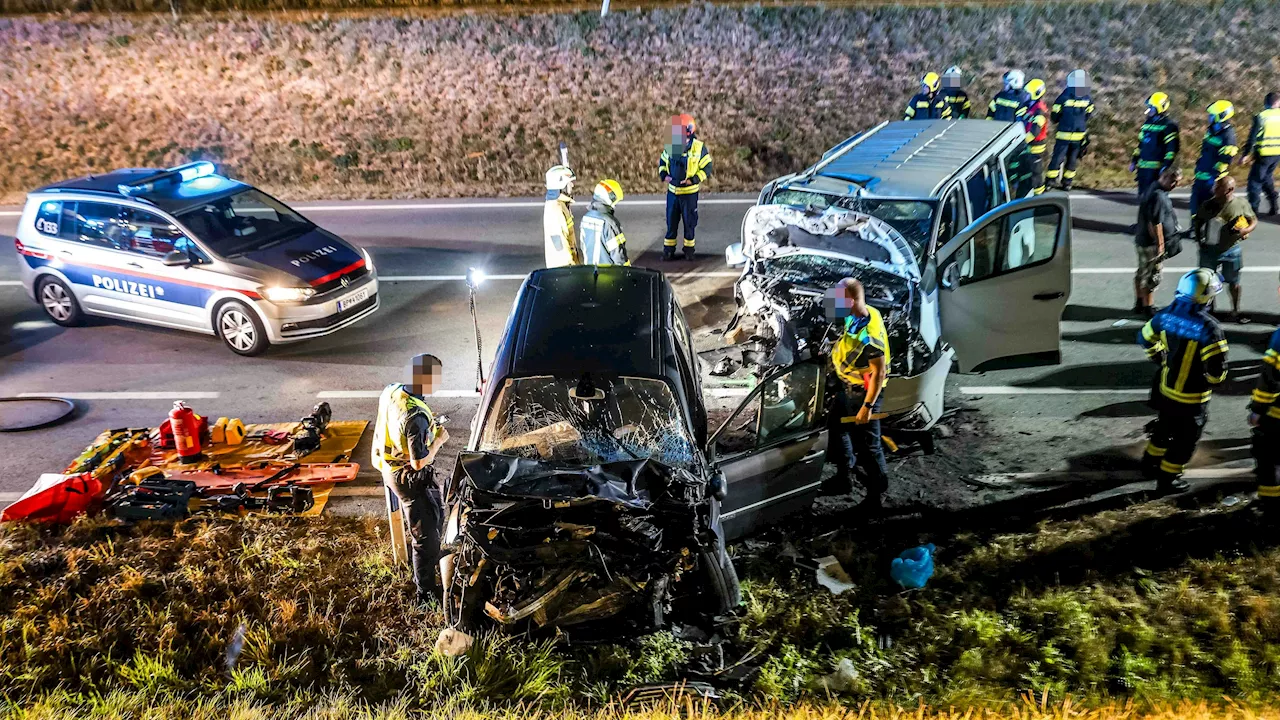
<point>240,328</point>
<point>59,304</point>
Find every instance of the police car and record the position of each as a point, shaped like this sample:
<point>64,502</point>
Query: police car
<point>190,249</point>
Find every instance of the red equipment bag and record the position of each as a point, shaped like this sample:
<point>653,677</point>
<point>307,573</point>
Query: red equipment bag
<point>60,502</point>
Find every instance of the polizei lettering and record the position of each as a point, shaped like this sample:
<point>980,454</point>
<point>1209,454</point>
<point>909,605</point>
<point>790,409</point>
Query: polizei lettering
<point>326,250</point>
<point>128,287</point>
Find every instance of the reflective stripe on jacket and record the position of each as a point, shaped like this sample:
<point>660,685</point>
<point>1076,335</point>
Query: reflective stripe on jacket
<point>1264,137</point>
<point>692,164</point>
<point>1072,115</point>
<point>1037,123</point>
<point>1158,143</point>
<point>1192,349</point>
<point>925,106</point>
<point>396,407</point>
<point>1009,105</point>
<point>958,103</point>
<point>1217,151</point>
<point>848,356</point>
<point>1266,392</point>
<point>559,243</point>
<point>601,238</point>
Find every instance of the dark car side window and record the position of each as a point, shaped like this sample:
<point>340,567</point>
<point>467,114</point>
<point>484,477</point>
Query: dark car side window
<point>96,224</point>
<point>150,234</point>
<point>788,405</point>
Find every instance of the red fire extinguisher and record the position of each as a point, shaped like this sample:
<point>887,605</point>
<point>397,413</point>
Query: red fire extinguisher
<point>186,432</point>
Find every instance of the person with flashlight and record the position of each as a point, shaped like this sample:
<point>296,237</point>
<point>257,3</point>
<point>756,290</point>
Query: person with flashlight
<point>406,438</point>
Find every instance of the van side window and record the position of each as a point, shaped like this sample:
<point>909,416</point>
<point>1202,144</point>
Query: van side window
<point>1017,166</point>
<point>999,189</point>
<point>979,188</point>
<point>49,217</point>
<point>98,224</point>
<point>953,217</point>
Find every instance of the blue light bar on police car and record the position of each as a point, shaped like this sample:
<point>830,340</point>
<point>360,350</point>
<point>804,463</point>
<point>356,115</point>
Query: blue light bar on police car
<point>172,176</point>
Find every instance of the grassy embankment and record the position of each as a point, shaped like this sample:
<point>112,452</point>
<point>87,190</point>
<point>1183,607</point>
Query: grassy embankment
<point>410,105</point>
<point>1150,604</point>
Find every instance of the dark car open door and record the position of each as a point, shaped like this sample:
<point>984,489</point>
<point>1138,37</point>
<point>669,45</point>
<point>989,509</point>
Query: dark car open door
<point>771,449</point>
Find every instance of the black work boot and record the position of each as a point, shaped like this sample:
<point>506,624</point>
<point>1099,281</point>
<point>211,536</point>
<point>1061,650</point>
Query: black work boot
<point>838,484</point>
<point>688,254</point>
<point>668,253</point>
<point>1170,484</point>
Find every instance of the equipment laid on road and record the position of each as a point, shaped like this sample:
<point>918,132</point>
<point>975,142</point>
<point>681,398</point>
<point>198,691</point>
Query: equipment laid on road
<point>142,473</point>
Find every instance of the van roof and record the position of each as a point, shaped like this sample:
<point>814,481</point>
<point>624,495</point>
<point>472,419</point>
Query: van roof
<point>908,158</point>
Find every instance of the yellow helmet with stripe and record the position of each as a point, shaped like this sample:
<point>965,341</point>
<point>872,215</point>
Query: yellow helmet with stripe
<point>1221,111</point>
<point>931,81</point>
<point>608,192</point>
<point>1036,89</point>
<point>1159,102</point>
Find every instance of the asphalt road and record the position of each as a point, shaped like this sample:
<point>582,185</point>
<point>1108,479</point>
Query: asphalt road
<point>1083,415</point>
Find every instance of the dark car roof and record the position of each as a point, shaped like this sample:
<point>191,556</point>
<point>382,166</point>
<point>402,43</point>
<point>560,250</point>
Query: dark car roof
<point>173,198</point>
<point>910,158</point>
<point>608,320</point>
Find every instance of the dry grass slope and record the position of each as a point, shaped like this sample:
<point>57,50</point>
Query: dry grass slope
<point>475,105</point>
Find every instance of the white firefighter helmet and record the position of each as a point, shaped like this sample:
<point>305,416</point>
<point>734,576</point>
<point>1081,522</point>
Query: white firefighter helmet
<point>560,177</point>
<point>1014,79</point>
<point>1077,79</point>
<point>953,71</point>
<point>1200,285</point>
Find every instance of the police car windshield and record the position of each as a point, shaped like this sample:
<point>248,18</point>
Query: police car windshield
<point>540,418</point>
<point>247,220</point>
<point>912,218</point>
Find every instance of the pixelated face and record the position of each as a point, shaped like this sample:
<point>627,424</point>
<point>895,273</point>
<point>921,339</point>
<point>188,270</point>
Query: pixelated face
<point>950,81</point>
<point>428,375</point>
<point>836,304</point>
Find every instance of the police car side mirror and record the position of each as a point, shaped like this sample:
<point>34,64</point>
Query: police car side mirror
<point>176,258</point>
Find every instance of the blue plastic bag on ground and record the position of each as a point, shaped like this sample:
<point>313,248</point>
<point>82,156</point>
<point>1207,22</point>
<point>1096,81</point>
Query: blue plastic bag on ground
<point>913,568</point>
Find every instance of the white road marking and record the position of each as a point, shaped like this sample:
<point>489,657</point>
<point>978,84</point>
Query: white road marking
<point>1218,473</point>
<point>375,394</point>
<point>10,283</point>
<point>1017,390</point>
<point>1129,271</point>
<point>144,395</point>
<point>10,497</point>
<point>29,325</point>
<point>480,205</point>
<point>357,491</point>
<point>443,278</point>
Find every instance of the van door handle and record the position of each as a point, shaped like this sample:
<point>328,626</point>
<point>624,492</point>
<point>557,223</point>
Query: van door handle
<point>66,252</point>
<point>1049,295</point>
<point>813,455</point>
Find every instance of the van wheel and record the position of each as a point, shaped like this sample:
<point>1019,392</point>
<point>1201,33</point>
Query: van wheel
<point>59,303</point>
<point>240,328</point>
<point>722,577</point>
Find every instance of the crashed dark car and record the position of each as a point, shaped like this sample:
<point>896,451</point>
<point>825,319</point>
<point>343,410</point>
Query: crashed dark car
<point>590,501</point>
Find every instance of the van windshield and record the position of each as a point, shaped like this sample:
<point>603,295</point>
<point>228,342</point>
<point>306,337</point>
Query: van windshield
<point>912,218</point>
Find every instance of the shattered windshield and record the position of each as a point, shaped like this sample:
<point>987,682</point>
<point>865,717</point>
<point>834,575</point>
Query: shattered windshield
<point>912,218</point>
<point>582,423</point>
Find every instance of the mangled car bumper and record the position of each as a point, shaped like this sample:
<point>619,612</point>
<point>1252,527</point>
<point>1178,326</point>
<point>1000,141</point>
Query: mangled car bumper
<point>597,551</point>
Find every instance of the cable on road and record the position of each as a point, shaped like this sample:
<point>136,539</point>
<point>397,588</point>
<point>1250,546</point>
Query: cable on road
<point>31,413</point>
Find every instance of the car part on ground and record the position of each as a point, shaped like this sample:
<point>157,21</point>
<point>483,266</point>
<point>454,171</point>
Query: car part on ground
<point>30,413</point>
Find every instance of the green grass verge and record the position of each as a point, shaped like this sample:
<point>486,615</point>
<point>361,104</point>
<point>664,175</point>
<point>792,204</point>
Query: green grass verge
<point>1150,604</point>
<point>409,105</point>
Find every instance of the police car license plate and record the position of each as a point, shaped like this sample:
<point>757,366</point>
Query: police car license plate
<point>352,300</point>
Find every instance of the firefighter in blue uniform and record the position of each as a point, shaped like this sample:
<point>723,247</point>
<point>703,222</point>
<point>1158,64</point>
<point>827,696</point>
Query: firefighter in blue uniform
<point>1264,418</point>
<point>953,93</point>
<point>1037,122</point>
<point>684,166</point>
<point>1263,148</point>
<point>1010,104</point>
<point>1158,144</point>
<point>1071,111</point>
<point>928,104</point>
<point>1191,350</point>
<point>1218,150</point>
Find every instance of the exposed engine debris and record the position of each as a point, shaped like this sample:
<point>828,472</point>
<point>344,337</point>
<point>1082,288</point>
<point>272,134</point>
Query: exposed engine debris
<point>793,257</point>
<point>596,552</point>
